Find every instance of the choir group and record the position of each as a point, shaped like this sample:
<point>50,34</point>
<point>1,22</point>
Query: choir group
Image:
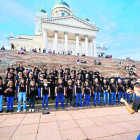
<point>23,84</point>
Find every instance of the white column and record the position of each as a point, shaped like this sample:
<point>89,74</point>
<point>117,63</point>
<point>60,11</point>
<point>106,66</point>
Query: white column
<point>34,46</point>
<point>55,41</point>
<point>45,40</point>
<point>86,45</point>
<point>95,49</point>
<point>77,43</point>
<point>91,51</point>
<point>66,42</point>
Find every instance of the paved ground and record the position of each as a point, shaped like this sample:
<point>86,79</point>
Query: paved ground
<point>112,123</point>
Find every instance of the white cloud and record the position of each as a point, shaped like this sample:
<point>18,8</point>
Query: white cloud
<point>108,26</point>
<point>16,10</point>
<point>117,44</point>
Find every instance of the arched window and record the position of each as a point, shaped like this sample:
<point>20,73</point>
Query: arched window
<point>63,14</point>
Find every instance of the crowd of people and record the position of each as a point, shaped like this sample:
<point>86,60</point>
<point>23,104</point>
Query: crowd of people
<point>22,84</point>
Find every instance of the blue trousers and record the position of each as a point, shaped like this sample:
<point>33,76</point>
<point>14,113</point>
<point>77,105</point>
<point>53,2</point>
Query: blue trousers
<point>45,99</point>
<point>10,103</point>
<point>1,103</point>
<point>113,96</point>
<point>134,96</point>
<point>39,92</point>
<point>79,97</point>
<point>121,94</point>
<point>95,97</point>
<point>105,94</point>
<point>87,98</point>
<point>138,137</point>
<point>127,96</point>
<point>70,101</point>
<point>60,96</point>
<point>22,96</point>
<point>32,102</point>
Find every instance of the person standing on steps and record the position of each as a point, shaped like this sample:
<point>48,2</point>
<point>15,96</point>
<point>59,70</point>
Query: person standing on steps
<point>1,94</point>
<point>45,93</point>
<point>10,94</point>
<point>51,85</point>
<point>18,80</point>
<point>87,93</point>
<point>113,91</point>
<point>70,93</point>
<point>22,90</point>
<point>78,92</point>
<point>32,95</point>
<point>120,90</point>
<point>40,84</point>
<point>60,92</point>
<point>105,89</point>
<point>96,92</point>
<point>126,87</point>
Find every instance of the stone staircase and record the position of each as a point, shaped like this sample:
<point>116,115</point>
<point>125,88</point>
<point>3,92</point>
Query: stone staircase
<point>108,66</point>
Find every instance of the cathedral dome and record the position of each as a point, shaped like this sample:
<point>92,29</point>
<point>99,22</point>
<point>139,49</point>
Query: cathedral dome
<point>61,8</point>
<point>62,3</point>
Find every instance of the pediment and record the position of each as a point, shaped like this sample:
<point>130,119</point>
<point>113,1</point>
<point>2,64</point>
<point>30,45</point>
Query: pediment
<point>71,21</point>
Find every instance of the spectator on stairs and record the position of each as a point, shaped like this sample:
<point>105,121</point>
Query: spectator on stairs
<point>94,61</point>
<point>20,52</point>
<point>12,46</point>
<point>98,62</point>
<point>24,49</point>
<point>35,50</point>
<point>3,47</point>
<point>119,63</point>
<point>39,49</point>
<point>21,49</point>
<point>133,71</point>
<point>83,54</point>
<point>78,61</point>
<point>83,61</point>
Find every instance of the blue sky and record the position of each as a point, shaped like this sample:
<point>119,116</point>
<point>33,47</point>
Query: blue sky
<point>118,21</point>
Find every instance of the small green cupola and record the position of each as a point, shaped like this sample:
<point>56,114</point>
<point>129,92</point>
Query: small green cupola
<point>85,19</point>
<point>42,10</point>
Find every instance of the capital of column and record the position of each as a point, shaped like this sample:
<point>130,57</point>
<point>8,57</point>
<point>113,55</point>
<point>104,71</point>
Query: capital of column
<point>85,36</point>
<point>55,31</point>
<point>45,30</point>
<point>76,34</point>
<point>66,33</point>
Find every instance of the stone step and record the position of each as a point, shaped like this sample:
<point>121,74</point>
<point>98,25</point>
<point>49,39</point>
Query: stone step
<point>107,67</point>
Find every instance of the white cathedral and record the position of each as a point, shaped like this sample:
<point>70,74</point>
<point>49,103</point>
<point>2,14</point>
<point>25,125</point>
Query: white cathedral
<point>61,32</point>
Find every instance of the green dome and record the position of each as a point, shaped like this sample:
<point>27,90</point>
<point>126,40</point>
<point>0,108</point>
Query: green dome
<point>62,2</point>
<point>42,10</point>
<point>85,19</point>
